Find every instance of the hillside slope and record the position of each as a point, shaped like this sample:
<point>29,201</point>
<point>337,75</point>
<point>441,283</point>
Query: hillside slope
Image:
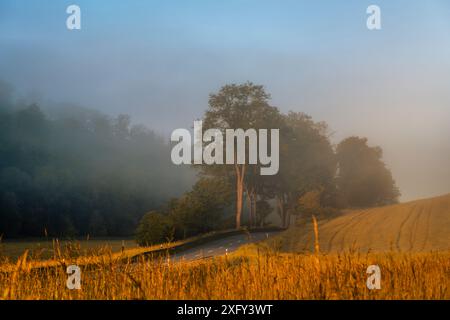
<point>421,225</point>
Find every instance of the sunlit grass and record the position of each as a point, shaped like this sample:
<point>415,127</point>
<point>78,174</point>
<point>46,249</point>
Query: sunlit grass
<point>254,272</point>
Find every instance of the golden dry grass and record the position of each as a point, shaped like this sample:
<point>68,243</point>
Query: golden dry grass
<point>73,253</point>
<point>43,249</point>
<point>254,272</point>
<point>81,254</point>
<point>398,239</point>
<point>418,226</point>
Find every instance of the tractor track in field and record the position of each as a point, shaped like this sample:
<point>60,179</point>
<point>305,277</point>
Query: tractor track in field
<point>414,228</point>
<point>400,230</point>
<point>419,225</point>
<point>427,230</point>
<point>340,230</point>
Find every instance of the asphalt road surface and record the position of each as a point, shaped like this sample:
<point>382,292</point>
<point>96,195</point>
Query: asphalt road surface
<point>221,246</point>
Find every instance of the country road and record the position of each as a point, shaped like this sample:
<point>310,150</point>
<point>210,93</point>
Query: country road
<point>221,246</point>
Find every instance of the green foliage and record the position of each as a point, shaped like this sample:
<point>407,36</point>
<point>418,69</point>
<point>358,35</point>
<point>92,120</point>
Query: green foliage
<point>79,172</point>
<point>199,211</point>
<point>244,106</point>
<point>202,209</point>
<point>237,106</point>
<point>309,203</point>
<point>307,160</point>
<point>313,203</point>
<point>263,209</point>
<point>363,178</point>
<point>307,163</point>
<point>153,228</point>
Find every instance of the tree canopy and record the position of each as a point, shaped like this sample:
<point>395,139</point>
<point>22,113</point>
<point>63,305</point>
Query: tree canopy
<point>79,174</point>
<point>363,178</point>
<point>200,210</point>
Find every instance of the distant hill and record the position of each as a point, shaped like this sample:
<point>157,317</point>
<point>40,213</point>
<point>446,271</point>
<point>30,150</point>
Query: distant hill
<point>421,225</point>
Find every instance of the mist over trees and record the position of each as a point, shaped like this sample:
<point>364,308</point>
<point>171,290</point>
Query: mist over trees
<point>72,172</point>
<point>244,106</point>
<point>79,173</point>
<point>363,178</point>
<point>307,159</point>
<point>203,209</point>
<point>313,174</point>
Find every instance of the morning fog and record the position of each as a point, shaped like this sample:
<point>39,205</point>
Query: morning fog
<point>213,151</point>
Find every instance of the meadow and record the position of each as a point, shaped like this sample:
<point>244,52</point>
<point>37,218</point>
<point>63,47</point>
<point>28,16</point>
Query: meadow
<point>253,272</point>
<point>409,243</point>
<point>416,226</point>
<point>42,249</point>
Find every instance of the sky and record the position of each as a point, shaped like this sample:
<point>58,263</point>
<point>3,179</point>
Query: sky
<point>159,60</point>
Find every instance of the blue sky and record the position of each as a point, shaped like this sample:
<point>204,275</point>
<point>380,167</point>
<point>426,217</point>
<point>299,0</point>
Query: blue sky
<point>159,60</point>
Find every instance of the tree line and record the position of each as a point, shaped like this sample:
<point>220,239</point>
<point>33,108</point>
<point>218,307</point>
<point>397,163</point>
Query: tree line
<point>315,176</point>
<point>80,173</point>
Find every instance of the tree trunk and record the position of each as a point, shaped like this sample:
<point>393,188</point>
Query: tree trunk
<point>251,199</point>
<point>250,207</point>
<point>240,174</point>
<point>254,198</point>
<point>290,209</point>
<point>281,211</point>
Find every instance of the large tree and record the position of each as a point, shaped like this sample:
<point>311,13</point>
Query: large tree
<point>363,178</point>
<point>244,106</point>
<point>307,162</point>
